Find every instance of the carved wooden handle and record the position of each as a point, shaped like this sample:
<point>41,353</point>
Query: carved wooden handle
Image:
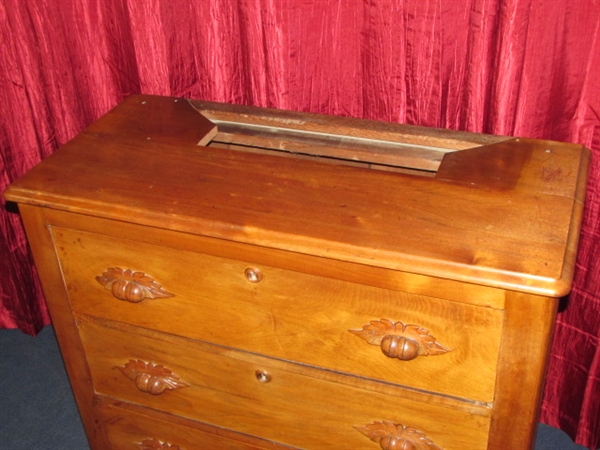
<point>131,286</point>
<point>395,436</point>
<point>150,378</point>
<point>397,340</point>
<point>155,444</point>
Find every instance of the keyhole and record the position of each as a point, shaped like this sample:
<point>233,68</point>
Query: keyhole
<point>262,376</point>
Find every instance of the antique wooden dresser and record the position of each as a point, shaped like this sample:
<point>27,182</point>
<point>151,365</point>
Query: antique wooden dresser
<point>225,277</point>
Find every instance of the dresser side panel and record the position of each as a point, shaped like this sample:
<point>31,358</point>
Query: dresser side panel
<point>525,346</point>
<point>39,236</point>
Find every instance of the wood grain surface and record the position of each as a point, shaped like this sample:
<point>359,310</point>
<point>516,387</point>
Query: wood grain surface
<point>287,315</point>
<point>508,229</point>
<point>292,280</point>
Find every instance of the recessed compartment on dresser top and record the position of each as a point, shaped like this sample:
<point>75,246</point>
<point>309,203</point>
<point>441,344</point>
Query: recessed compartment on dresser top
<point>323,322</point>
<point>251,394</point>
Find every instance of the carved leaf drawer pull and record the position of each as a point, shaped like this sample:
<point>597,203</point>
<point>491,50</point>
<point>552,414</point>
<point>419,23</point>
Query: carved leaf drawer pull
<point>131,286</point>
<point>397,340</point>
<point>392,436</point>
<point>150,378</point>
<point>155,444</point>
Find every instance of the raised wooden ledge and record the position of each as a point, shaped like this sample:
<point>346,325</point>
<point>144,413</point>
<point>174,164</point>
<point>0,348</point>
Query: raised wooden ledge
<point>367,143</point>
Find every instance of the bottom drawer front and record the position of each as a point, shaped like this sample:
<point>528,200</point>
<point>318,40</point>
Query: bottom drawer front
<point>128,430</point>
<point>278,401</point>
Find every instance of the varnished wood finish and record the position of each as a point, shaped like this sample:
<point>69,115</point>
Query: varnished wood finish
<point>523,362</point>
<point>308,264</point>
<point>65,328</point>
<point>392,436</point>
<point>342,284</point>
<point>341,128</point>
<point>287,315</point>
<point>224,392</point>
<point>397,340</point>
<point>341,212</point>
<point>150,378</point>
<point>131,286</point>
<point>127,426</point>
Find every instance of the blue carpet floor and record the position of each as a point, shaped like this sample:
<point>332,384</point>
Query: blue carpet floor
<point>38,412</point>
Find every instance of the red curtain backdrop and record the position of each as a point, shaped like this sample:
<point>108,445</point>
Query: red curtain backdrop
<point>511,67</point>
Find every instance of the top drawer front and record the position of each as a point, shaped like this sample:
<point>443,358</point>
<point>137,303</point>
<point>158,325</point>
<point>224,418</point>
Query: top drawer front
<point>285,314</point>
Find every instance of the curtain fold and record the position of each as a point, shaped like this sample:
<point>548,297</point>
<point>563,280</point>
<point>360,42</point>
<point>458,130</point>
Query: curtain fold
<point>510,67</point>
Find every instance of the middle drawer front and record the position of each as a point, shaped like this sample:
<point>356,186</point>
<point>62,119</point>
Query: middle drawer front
<point>286,314</point>
<point>258,396</point>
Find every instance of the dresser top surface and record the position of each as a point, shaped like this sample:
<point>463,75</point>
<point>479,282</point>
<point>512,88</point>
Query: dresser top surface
<point>504,213</point>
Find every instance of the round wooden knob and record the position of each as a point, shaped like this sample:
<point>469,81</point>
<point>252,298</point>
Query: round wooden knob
<point>131,286</point>
<point>151,378</point>
<point>128,290</point>
<point>150,384</point>
<point>399,347</point>
<point>253,275</point>
<point>395,436</point>
<point>397,340</point>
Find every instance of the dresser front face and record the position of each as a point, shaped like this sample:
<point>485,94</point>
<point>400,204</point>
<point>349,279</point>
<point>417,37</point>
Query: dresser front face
<point>288,315</point>
<point>208,297</point>
<point>253,342</point>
